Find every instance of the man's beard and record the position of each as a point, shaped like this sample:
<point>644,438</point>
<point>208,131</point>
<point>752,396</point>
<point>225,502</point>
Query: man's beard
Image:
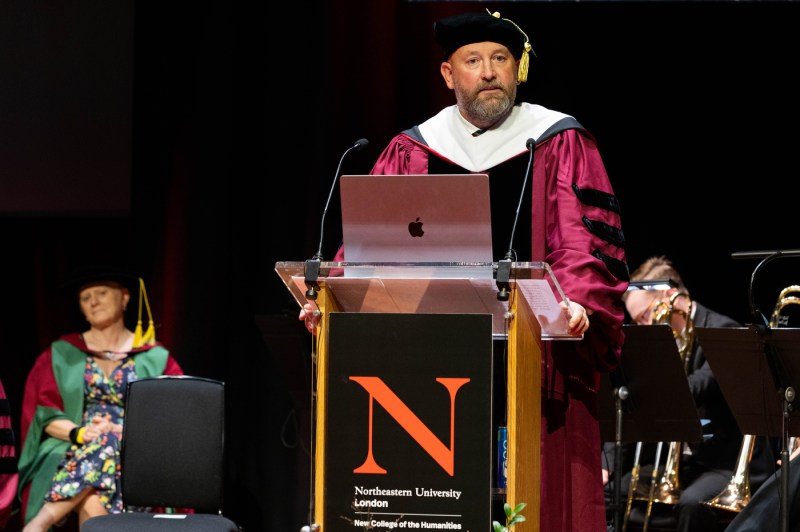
<point>486,109</point>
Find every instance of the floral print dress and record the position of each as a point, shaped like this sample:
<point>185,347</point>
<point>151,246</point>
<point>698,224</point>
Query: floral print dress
<point>96,463</point>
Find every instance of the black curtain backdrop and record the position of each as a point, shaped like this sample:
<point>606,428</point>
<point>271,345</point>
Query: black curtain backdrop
<point>239,113</point>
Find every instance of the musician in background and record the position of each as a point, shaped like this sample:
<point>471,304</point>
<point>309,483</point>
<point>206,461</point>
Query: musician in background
<point>705,468</point>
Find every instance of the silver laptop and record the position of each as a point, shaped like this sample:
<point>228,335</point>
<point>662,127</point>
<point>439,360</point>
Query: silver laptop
<point>416,218</point>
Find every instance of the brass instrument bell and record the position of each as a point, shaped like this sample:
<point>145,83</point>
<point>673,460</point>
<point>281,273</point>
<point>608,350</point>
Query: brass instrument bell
<point>736,494</point>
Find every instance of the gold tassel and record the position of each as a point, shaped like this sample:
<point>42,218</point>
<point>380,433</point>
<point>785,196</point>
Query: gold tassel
<point>149,337</point>
<point>524,60</point>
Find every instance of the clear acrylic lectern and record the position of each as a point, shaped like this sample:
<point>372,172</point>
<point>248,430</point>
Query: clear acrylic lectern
<point>531,314</point>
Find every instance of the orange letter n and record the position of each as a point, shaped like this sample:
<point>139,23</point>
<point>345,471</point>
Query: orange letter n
<point>378,391</point>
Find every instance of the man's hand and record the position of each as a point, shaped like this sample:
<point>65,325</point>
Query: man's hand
<point>310,314</point>
<point>578,317</point>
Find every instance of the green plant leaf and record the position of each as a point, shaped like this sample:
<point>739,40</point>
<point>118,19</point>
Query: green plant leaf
<point>516,519</point>
<point>513,516</point>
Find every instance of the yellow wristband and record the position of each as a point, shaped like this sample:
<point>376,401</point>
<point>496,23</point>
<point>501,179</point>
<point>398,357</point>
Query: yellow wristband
<point>79,437</point>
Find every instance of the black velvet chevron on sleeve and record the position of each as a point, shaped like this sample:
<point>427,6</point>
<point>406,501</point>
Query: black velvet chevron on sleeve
<point>609,233</point>
<point>6,437</point>
<point>597,198</point>
<point>617,267</point>
<point>8,464</point>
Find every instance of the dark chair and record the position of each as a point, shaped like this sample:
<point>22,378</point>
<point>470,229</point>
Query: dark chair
<point>172,456</point>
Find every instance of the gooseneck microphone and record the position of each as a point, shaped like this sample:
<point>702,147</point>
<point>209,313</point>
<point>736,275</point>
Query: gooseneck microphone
<point>504,266</point>
<point>312,265</point>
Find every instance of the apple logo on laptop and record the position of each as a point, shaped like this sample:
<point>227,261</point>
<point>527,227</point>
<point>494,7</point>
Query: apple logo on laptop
<point>415,228</point>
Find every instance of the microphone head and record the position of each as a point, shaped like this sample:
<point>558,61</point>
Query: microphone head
<point>361,144</point>
<point>530,143</point>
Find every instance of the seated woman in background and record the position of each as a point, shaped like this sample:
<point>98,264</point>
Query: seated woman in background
<point>72,410</point>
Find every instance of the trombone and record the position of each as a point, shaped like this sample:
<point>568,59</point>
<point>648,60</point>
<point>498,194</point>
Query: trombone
<point>736,494</point>
<point>666,488</point>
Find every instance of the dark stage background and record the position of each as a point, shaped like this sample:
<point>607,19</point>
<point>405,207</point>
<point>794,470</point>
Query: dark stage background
<point>198,141</point>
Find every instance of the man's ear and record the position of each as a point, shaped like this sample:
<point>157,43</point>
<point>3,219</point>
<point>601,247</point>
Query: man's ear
<point>447,73</point>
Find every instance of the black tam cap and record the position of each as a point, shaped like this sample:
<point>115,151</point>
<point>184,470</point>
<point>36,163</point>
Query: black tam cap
<point>91,274</point>
<point>458,30</point>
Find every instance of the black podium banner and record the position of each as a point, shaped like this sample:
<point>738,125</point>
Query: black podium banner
<point>409,440</point>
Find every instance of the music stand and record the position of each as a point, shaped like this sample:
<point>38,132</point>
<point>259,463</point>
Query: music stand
<point>650,369</point>
<point>757,369</point>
